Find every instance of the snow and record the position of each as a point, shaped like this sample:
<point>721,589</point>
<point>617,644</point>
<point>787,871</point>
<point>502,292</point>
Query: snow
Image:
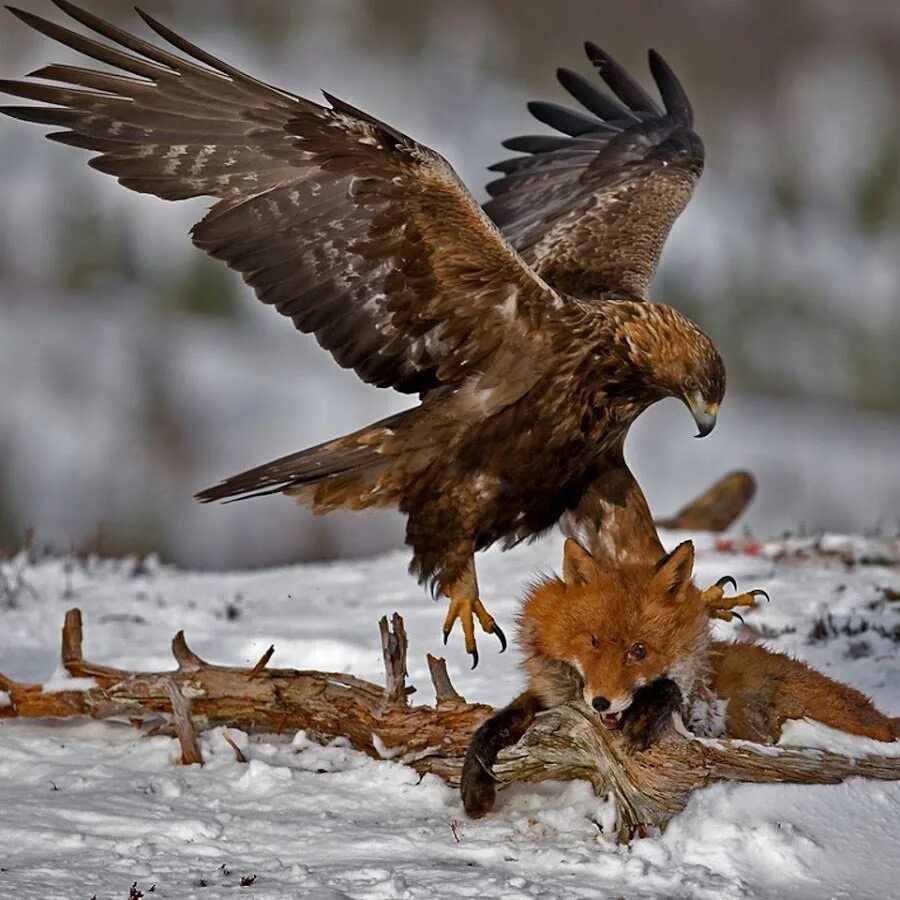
<point>61,680</point>
<point>812,734</point>
<point>91,807</point>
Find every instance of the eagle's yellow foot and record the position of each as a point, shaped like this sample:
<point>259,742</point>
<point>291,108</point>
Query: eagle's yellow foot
<point>467,609</point>
<point>722,607</point>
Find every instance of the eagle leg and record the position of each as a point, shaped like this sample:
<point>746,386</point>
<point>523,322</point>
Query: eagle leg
<point>466,606</point>
<point>722,607</point>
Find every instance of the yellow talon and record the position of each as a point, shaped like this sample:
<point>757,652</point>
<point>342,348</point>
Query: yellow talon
<point>722,607</point>
<point>467,609</point>
<point>462,609</point>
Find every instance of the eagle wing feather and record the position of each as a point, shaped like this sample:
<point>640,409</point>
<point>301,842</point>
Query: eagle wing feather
<point>590,211</point>
<point>359,234</point>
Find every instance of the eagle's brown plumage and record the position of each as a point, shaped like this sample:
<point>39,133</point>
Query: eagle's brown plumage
<point>590,210</point>
<point>532,353</point>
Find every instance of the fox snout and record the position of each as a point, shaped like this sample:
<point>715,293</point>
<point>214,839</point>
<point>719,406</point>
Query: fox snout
<point>604,705</point>
<point>610,709</point>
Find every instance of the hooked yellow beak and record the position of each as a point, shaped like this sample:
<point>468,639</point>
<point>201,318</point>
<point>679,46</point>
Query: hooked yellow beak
<point>704,414</point>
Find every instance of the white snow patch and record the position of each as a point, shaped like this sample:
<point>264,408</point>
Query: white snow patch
<point>89,807</point>
<point>809,733</point>
<point>61,680</point>
<point>383,750</point>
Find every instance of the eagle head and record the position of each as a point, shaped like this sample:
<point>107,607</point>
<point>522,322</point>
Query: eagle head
<point>675,358</point>
<point>702,385</point>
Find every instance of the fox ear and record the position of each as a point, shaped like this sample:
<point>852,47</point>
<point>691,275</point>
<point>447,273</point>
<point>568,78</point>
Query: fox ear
<point>674,571</point>
<point>578,564</point>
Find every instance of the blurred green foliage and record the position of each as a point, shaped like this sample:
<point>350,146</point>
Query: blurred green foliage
<point>203,287</point>
<point>93,249</point>
<point>878,192</point>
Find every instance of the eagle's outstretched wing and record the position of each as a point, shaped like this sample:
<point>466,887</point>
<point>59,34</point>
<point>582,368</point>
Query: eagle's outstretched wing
<point>353,230</point>
<point>590,210</point>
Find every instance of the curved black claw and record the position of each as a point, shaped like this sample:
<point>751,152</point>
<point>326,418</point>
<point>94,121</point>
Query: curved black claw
<point>725,579</point>
<point>738,616</point>
<point>501,637</point>
<point>758,592</point>
<point>446,637</point>
<point>474,657</point>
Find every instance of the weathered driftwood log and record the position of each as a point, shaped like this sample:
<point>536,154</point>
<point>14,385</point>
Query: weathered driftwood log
<point>648,788</point>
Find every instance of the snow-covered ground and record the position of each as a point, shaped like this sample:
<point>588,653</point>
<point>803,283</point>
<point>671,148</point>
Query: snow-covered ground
<point>89,808</point>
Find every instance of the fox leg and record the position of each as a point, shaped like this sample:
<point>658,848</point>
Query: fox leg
<point>478,785</point>
<point>466,606</point>
<point>722,607</point>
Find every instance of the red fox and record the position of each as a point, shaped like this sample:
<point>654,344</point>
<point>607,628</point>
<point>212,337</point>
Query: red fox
<point>633,643</point>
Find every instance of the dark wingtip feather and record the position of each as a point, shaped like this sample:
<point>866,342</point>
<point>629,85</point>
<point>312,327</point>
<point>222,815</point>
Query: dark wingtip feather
<point>565,120</point>
<point>505,165</point>
<point>619,81</point>
<point>70,9</point>
<point>8,86</point>
<point>145,16</point>
<point>22,15</point>
<point>42,115</point>
<point>590,98</point>
<point>496,187</point>
<point>80,141</point>
<point>673,95</point>
<point>536,143</point>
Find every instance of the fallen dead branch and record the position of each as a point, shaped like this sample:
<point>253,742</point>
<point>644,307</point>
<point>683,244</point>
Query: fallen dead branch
<point>648,788</point>
<point>375,720</point>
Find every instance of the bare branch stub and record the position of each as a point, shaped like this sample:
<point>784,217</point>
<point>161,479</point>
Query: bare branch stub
<point>238,753</point>
<point>71,654</point>
<point>393,649</point>
<point>257,670</point>
<point>187,660</point>
<point>444,692</point>
<point>71,641</point>
<point>184,726</point>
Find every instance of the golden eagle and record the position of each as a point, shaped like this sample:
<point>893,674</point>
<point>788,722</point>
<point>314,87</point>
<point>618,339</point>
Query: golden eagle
<point>525,327</point>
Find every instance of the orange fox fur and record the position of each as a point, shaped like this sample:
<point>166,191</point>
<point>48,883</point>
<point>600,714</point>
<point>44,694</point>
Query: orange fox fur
<point>765,689</point>
<point>632,642</point>
<point>580,633</point>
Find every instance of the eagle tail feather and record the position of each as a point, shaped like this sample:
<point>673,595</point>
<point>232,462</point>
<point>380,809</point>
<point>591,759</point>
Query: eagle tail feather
<point>336,473</point>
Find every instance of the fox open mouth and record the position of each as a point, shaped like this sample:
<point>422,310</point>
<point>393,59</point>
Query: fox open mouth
<point>611,720</point>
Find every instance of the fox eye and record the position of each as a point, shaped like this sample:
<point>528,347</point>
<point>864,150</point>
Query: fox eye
<point>638,651</point>
<point>595,641</point>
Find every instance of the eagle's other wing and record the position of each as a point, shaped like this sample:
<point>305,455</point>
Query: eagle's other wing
<point>591,209</point>
<point>353,230</point>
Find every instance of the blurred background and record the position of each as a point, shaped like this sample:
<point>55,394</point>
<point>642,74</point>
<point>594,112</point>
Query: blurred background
<point>134,372</point>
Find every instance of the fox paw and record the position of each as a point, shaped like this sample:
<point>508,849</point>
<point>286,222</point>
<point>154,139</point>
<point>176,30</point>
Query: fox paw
<point>647,719</point>
<point>478,787</point>
<point>722,607</point>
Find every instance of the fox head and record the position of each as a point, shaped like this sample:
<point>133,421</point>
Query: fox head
<point>603,632</point>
